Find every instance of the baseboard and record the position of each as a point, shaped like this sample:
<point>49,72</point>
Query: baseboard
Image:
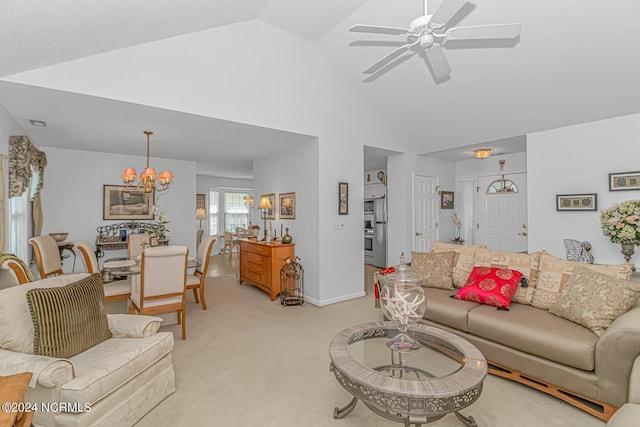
<point>330,301</point>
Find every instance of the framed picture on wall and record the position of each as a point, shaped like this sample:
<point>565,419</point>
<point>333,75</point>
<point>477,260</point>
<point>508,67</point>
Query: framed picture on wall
<point>577,202</point>
<point>119,203</point>
<point>622,181</point>
<point>271,213</point>
<point>446,200</point>
<point>343,198</point>
<point>287,205</point>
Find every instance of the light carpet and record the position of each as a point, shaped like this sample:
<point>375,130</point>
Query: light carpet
<point>248,361</point>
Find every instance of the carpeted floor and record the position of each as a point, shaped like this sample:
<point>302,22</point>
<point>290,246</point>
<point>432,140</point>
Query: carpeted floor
<point>248,361</point>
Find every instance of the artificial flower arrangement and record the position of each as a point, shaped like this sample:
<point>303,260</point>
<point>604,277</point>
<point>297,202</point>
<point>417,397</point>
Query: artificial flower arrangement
<point>621,222</point>
<point>457,239</point>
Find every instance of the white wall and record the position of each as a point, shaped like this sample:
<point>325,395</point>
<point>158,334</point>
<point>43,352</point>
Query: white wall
<point>73,192</point>
<point>8,127</point>
<point>297,171</point>
<point>295,87</point>
<point>575,160</point>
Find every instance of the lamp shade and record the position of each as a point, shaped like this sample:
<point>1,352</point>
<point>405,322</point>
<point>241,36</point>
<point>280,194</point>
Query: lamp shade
<point>201,213</point>
<point>265,203</point>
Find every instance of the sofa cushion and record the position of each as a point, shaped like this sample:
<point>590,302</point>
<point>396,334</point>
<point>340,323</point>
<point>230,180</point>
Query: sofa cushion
<point>436,268</point>
<point>555,272</point>
<point>69,319</point>
<point>594,300</point>
<point>463,261</point>
<point>491,286</point>
<point>103,368</point>
<point>16,326</point>
<point>447,311</point>
<point>536,332</point>
<point>527,264</point>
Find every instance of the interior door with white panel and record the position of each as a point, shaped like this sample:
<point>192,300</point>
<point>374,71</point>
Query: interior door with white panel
<point>502,215</point>
<point>425,211</point>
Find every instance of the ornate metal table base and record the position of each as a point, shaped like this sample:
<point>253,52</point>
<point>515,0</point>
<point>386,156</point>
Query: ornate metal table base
<point>444,377</point>
<point>346,410</point>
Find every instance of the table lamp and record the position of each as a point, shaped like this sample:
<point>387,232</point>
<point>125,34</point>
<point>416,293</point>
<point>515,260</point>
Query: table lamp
<point>264,206</point>
<point>200,214</point>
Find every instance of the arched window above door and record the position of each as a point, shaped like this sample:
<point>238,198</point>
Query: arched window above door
<point>501,186</point>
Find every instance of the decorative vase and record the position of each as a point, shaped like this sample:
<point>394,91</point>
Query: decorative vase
<point>404,303</point>
<point>286,239</point>
<point>628,249</point>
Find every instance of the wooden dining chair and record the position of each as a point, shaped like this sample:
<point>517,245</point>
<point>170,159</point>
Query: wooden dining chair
<point>161,285</point>
<point>135,244</point>
<point>113,291</point>
<point>196,280</point>
<point>17,268</point>
<point>47,256</point>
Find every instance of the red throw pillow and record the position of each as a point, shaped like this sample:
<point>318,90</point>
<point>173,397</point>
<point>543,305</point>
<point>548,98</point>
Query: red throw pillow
<point>491,286</point>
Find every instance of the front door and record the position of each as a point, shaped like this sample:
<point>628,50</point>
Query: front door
<point>503,215</point>
<point>425,210</point>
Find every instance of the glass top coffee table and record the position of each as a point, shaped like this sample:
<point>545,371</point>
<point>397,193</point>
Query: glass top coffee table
<point>444,376</point>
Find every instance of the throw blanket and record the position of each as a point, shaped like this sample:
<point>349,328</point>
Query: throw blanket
<point>12,257</point>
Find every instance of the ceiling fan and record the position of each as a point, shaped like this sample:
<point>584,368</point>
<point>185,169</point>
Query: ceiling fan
<point>428,34</point>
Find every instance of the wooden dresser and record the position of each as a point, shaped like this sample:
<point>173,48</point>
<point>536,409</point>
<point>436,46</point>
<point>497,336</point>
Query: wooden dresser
<point>260,264</point>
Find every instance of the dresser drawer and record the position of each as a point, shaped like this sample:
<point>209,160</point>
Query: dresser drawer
<point>259,249</point>
<point>256,258</point>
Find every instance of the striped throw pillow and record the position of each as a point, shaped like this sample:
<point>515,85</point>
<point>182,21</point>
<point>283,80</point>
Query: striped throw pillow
<point>68,320</point>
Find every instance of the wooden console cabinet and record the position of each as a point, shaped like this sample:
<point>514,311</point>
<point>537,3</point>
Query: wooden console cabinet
<point>260,264</point>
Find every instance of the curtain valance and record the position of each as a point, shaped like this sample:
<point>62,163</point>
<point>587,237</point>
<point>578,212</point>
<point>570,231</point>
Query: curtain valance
<point>24,160</point>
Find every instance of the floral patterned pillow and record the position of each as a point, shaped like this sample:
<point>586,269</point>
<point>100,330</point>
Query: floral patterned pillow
<point>491,286</point>
<point>436,268</point>
<point>594,300</point>
<point>556,272</point>
<point>462,262</point>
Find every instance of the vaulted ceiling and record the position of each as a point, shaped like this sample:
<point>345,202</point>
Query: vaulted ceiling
<point>574,62</point>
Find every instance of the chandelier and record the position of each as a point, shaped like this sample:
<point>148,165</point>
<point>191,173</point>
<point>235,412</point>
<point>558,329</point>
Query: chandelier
<point>148,180</point>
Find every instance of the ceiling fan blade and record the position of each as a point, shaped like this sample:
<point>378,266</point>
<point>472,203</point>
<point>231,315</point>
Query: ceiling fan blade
<point>438,61</point>
<point>497,31</point>
<point>378,30</point>
<point>446,11</point>
<point>390,57</point>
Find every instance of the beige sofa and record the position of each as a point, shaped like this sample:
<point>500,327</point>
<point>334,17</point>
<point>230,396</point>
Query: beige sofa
<point>113,383</point>
<point>530,345</point>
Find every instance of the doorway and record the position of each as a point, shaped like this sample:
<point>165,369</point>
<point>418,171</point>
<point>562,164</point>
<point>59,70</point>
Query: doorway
<point>502,212</point>
<point>425,212</point>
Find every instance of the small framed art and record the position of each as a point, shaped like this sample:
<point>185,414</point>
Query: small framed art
<point>446,200</point>
<point>271,213</point>
<point>622,181</point>
<point>343,198</point>
<point>287,206</point>
<point>576,202</point>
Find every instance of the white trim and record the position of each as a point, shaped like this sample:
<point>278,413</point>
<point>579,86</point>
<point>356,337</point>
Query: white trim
<point>330,301</point>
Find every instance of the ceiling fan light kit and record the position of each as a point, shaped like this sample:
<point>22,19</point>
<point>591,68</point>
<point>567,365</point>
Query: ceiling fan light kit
<point>428,34</point>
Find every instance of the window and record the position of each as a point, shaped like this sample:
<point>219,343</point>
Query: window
<point>18,208</point>
<point>228,209</point>
<point>214,196</point>
<point>236,213</point>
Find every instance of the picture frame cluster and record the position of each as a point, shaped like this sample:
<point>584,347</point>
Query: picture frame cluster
<point>286,206</point>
